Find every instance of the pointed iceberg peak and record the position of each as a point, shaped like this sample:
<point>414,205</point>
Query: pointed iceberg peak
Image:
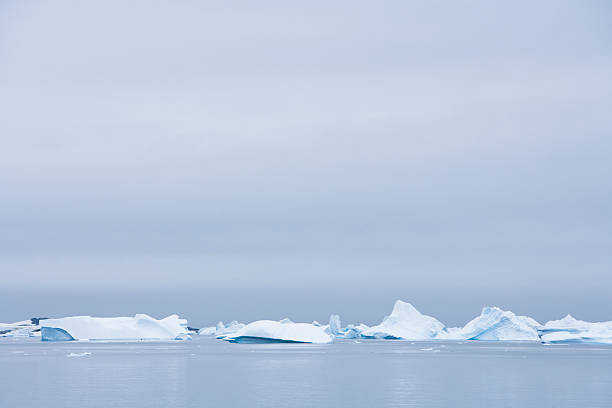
<point>401,308</point>
<point>405,322</point>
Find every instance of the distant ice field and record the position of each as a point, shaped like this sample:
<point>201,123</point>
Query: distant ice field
<point>206,372</point>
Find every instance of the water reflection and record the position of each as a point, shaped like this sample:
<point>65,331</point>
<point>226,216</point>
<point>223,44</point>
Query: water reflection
<point>205,372</point>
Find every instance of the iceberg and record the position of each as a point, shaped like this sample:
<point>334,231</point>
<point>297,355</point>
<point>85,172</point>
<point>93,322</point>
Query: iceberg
<point>571,330</point>
<point>139,327</point>
<point>494,324</point>
<point>221,329</point>
<point>284,331</point>
<point>207,331</point>
<point>25,328</point>
<point>335,326</point>
<point>405,322</point>
<point>352,331</point>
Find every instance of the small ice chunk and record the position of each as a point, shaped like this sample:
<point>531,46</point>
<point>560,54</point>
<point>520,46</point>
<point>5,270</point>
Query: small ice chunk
<point>83,354</point>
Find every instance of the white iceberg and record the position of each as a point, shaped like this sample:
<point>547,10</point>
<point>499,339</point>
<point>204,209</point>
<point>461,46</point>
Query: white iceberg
<point>285,331</point>
<point>494,324</point>
<point>139,327</point>
<point>405,322</point>
<point>571,330</point>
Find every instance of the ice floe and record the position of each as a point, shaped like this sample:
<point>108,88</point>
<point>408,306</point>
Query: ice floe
<point>83,354</point>
<point>139,327</point>
<point>571,330</point>
<point>284,331</point>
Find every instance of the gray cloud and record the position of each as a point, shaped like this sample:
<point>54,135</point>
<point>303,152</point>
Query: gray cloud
<point>404,150</point>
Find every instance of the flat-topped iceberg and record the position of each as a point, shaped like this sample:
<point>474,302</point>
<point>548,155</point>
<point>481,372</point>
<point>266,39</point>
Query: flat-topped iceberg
<point>405,322</point>
<point>494,324</point>
<point>571,330</point>
<point>285,331</point>
<point>139,327</point>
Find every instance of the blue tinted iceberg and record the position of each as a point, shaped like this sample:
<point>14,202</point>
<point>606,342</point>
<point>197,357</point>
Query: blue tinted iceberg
<point>285,331</point>
<point>405,322</point>
<point>352,331</point>
<point>139,327</point>
<point>495,324</point>
<point>570,330</point>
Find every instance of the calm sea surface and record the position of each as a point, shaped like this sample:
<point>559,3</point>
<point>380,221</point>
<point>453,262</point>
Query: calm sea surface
<point>207,372</point>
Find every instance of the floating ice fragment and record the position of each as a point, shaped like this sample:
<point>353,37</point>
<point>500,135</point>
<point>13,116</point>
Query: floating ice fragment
<point>84,354</point>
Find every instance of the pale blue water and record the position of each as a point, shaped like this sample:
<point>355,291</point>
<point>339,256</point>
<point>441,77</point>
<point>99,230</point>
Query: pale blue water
<point>206,372</point>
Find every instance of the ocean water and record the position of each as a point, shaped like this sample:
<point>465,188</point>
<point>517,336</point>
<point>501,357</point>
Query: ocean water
<point>206,372</point>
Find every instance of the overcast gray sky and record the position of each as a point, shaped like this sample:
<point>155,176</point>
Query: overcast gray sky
<point>262,159</point>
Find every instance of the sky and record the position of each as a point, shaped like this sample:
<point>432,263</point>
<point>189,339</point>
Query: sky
<point>241,160</point>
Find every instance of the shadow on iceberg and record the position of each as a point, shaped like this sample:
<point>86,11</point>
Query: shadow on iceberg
<point>55,334</point>
<point>261,340</point>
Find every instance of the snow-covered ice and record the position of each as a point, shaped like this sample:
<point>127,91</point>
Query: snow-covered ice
<point>405,322</point>
<point>571,330</point>
<point>284,331</point>
<point>139,327</point>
